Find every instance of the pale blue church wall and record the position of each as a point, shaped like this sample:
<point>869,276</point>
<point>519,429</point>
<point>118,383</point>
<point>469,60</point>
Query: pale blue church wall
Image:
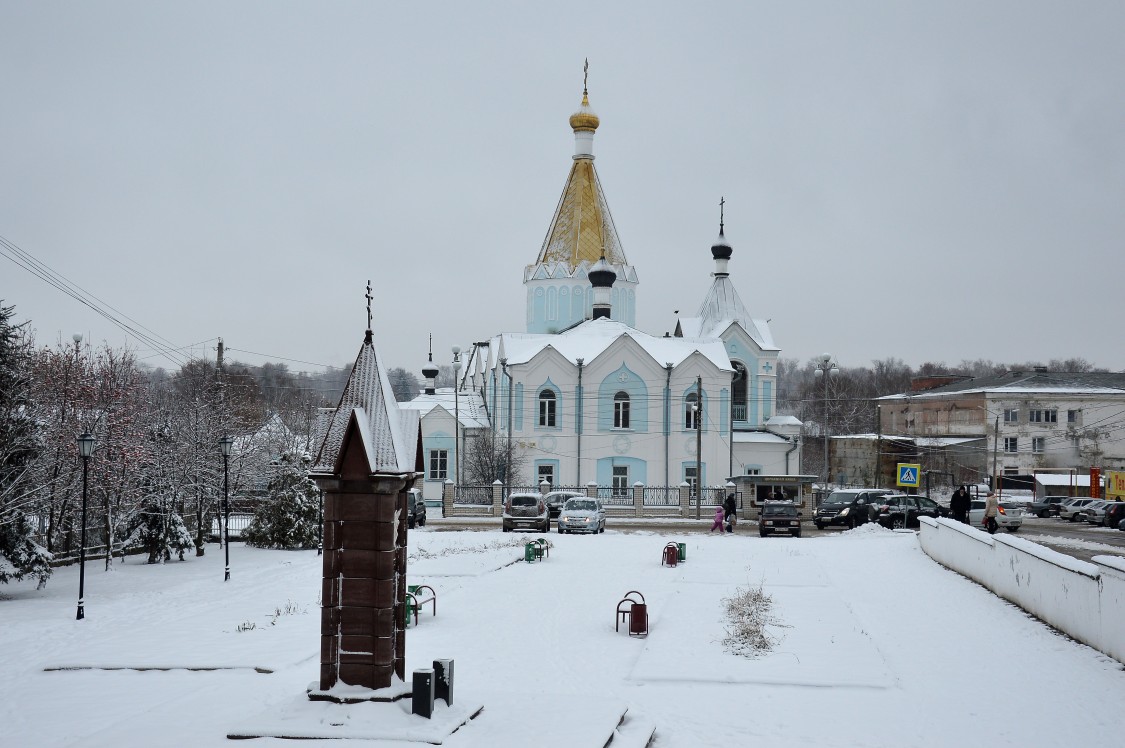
<point>578,304</point>
<point>538,311</point>
<point>517,407</point>
<point>635,388</point>
<point>724,410</point>
<point>638,470</point>
<point>767,400</point>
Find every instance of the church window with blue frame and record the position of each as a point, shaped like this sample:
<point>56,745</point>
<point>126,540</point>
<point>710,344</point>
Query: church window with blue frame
<point>439,464</point>
<point>621,410</point>
<point>691,411</point>
<point>547,408</point>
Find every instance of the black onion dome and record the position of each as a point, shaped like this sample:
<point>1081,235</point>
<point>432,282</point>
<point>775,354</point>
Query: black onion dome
<point>430,370</point>
<point>602,275</point>
<point>721,249</point>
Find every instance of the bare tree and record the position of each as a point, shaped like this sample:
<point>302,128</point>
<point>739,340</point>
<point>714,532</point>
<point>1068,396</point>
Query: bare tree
<point>492,457</point>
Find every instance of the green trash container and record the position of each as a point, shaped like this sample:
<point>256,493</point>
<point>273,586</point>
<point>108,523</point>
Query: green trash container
<point>529,552</point>
<point>683,551</point>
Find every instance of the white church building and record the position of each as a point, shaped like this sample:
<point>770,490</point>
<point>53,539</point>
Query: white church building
<point>585,396</point>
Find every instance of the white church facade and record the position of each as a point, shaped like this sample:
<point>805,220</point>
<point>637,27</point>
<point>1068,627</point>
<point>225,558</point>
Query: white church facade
<point>585,396</point>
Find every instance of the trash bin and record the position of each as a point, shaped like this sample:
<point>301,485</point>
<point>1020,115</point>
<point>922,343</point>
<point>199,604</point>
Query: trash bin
<point>683,551</point>
<point>638,620</point>
<point>529,552</point>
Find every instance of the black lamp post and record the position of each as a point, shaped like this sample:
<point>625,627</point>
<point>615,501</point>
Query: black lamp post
<point>225,444</point>
<point>85,448</point>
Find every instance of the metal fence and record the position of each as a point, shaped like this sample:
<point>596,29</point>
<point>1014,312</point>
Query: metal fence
<point>662,495</point>
<point>479,495</point>
<point>615,496</point>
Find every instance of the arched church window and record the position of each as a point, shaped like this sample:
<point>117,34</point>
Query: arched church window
<point>691,411</point>
<point>547,408</point>
<point>621,410</point>
<point>740,387</point>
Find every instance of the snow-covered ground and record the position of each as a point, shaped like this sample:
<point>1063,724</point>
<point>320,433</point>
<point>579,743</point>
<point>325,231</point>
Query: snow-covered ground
<point>879,646</point>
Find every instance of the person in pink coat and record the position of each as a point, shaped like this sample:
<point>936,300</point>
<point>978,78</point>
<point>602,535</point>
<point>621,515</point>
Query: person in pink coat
<point>718,523</point>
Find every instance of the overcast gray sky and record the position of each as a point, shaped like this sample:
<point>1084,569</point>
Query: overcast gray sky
<point>931,181</point>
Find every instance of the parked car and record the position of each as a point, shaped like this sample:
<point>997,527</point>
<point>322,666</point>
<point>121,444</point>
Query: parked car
<point>890,510</point>
<point>1095,512</point>
<point>1070,510</point>
<point>1046,505</point>
<point>1010,515</point>
<point>415,510</point>
<point>526,510</point>
<point>779,516</point>
<point>582,514</point>
<point>1114,513</point>
<point>556,499</point>
<point>849,507</point>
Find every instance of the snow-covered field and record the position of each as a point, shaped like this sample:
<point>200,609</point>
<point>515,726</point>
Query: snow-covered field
<point>879,646</point>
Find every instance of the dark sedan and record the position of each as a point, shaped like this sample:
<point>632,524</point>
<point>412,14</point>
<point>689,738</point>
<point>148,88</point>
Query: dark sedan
<point>901,510</point>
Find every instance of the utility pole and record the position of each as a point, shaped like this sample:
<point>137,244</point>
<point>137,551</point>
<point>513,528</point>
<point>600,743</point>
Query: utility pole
<point>698,445</point>
<point>219,358</point>
<point>995,482</point>
<point>879,444</point>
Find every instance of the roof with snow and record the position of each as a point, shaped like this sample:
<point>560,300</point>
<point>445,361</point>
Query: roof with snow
<point>368,393</point>
<point>591,338</point>
<point>468,405</point>
<point>758,437</point>
<point>1029,382</point>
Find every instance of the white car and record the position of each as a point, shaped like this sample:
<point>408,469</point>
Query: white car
<point>1010,517</point>
<point>582,515</point>
<point>1072,510</point>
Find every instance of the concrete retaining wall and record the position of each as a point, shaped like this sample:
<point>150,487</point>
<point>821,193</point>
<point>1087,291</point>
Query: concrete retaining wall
<point>1082,599</point>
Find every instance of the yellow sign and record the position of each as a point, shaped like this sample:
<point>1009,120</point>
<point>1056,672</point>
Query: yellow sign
<point>1115,485</point>
<point>909,475</point>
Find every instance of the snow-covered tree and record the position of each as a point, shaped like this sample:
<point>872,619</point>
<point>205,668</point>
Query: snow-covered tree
<point>20,445</point>
<point>290,516</point>
<point>156,527</point>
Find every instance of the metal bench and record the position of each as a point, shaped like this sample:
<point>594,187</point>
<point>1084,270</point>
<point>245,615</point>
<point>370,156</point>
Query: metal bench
<point>418,595</point>
<point>634,609</point>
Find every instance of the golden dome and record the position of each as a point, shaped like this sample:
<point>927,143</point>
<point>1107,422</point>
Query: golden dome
<point>584,118</point>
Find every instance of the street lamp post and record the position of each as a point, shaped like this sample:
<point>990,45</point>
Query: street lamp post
<point>508,448</point>
<point>85,449</point>
<point>456,418</point>
<point>825,368</point>
<point>225,444</point>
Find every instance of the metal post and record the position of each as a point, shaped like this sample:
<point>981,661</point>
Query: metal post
<point>995,482</point>
<point>456,418</point>
<point>226,511</point>
<point>698,445</point>
<point>82,550</point>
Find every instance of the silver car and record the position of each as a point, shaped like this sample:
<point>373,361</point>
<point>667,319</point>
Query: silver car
<point>526,511</point>
<point>1095,512</point>
<point>1010,515</point>
<point>1071,510</point>
<point>582,515</point>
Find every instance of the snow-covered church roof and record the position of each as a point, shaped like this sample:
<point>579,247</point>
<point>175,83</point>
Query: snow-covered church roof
<point>468,405</point>
<point>591,338</point>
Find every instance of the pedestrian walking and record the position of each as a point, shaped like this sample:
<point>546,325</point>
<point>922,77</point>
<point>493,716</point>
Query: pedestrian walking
<point>991,510</point>
<point>718,523</point>
<point>730,512</point>
<point>959,505</point>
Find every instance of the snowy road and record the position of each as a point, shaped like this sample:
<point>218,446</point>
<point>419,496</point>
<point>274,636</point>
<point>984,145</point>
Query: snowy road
<point>880,647</point>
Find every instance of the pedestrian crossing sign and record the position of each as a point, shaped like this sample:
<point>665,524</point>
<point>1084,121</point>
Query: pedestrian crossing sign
<point>909,475</point>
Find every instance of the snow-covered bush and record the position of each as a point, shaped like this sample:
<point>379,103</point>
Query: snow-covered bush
<point>290,517</point>
<point>749,612</point>
<point>20,555</point>
<point>157,528</point>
